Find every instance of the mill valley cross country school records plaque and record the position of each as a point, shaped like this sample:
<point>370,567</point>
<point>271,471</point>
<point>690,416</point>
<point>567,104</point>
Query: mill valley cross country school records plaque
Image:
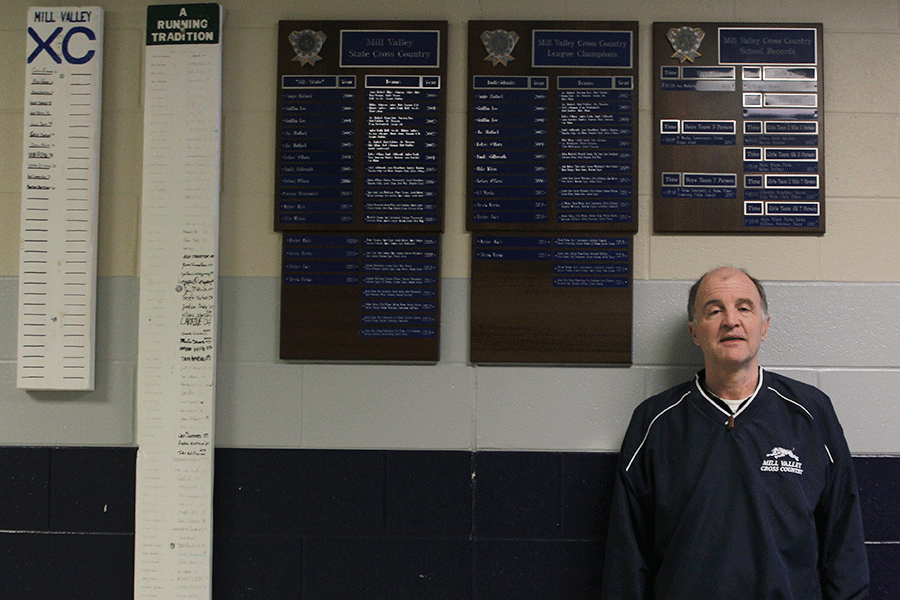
<point>552,125</point>
<point>739,128</point>
<point>360,125</point>
<point>551,298</point>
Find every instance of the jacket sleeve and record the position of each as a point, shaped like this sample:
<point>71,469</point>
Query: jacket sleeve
<point>627,574</point>
<point>843,563</point>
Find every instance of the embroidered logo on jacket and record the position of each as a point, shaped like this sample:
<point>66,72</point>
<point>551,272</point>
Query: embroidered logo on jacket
<point>782,460</point>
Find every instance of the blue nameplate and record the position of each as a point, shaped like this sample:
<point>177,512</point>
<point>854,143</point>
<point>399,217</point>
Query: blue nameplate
<point>483,241</point>
<point>397,267</point>
<point>513,96</point>
<point>595,192</point>
<point>784,194</point>
<point>321,279</point>
<point>399,332</point>
<point>578,205</point>
<point>394,319</point>
<point>591,49</point>
<point>513,180</point>
<point>606,282</point>
<point>316,206</point>
<point>590,269</point>
<point>321,193</point>
<point>321,240</point>
<point>324,266</point>
<point>780,46</point>
<point>590,255</point>
<point>488,82</point>
<point>511,192</point>
<point>390,48</point>
<point>314,82</point>
<point>320,95</point>
<point>599,217</point>
<point>510,217</point>
<point>375,292</point>
<point>314,252</point>
<point>516,254</point>
<point>399,280</point>
<point>781,221</point>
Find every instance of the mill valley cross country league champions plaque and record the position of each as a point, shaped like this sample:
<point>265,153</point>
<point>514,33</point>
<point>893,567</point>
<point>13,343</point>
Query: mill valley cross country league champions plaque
<point>552,190</point>
<point>739,128</point>
<point>552,132</point>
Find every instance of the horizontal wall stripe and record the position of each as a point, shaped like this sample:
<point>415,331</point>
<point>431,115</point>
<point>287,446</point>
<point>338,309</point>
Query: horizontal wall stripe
<point>405,524</point>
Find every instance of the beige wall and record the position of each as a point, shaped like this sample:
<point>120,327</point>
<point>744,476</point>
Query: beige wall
<point>862,133</point>
<point>827,329</point>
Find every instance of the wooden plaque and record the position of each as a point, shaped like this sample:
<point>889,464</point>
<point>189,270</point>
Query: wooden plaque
<point>552,131</point>
<point>551,298</point>
<point>365,297</point>
<point>738,128</point>
<point>360,125</point>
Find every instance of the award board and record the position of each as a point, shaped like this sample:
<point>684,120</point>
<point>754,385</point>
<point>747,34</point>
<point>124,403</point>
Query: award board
<point>360,125</point>
<point>551,298</point>
<point>177,334</point>
<point>552,126</point>
<point>60,193</point>
<point>364,297</point>
<point>738,128</point>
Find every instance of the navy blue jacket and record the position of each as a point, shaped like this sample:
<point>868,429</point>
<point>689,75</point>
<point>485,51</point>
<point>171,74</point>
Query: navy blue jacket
<point>758,505</point>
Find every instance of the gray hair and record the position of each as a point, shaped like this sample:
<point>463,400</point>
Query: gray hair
<point>692,295</point>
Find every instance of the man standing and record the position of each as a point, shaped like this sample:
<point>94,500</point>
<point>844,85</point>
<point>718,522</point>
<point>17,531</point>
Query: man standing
<point>738,484</point>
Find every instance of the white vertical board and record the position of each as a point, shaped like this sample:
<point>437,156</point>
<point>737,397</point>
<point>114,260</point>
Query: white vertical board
<point>60,190</point>
<point>177,331</point>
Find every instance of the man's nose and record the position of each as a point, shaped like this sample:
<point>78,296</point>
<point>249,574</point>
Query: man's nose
<point>731,318</point>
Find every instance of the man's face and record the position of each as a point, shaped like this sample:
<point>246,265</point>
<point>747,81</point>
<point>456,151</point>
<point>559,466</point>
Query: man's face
<point>729,323</point>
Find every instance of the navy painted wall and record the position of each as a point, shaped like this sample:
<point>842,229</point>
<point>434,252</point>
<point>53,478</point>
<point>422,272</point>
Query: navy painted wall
<point>67,523</point>
<point>343,524</point>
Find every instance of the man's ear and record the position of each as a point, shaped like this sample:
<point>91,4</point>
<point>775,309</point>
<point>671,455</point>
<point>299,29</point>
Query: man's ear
<point>694,337</point>
<point>765,328</point>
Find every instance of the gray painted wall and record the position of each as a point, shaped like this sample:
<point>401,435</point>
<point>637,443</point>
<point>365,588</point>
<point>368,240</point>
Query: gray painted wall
<point>837,335</point>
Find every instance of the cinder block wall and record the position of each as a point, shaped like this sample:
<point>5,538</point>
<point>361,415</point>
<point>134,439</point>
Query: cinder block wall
<point>834,303</point>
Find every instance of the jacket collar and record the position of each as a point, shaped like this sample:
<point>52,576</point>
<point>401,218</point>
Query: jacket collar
<point>709,400</point>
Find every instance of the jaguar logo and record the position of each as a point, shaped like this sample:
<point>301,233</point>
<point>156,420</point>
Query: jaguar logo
<point>782,460</point>
<point>778,453</point>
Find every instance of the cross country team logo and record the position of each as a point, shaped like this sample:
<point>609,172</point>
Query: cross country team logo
<point>782,460</point>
